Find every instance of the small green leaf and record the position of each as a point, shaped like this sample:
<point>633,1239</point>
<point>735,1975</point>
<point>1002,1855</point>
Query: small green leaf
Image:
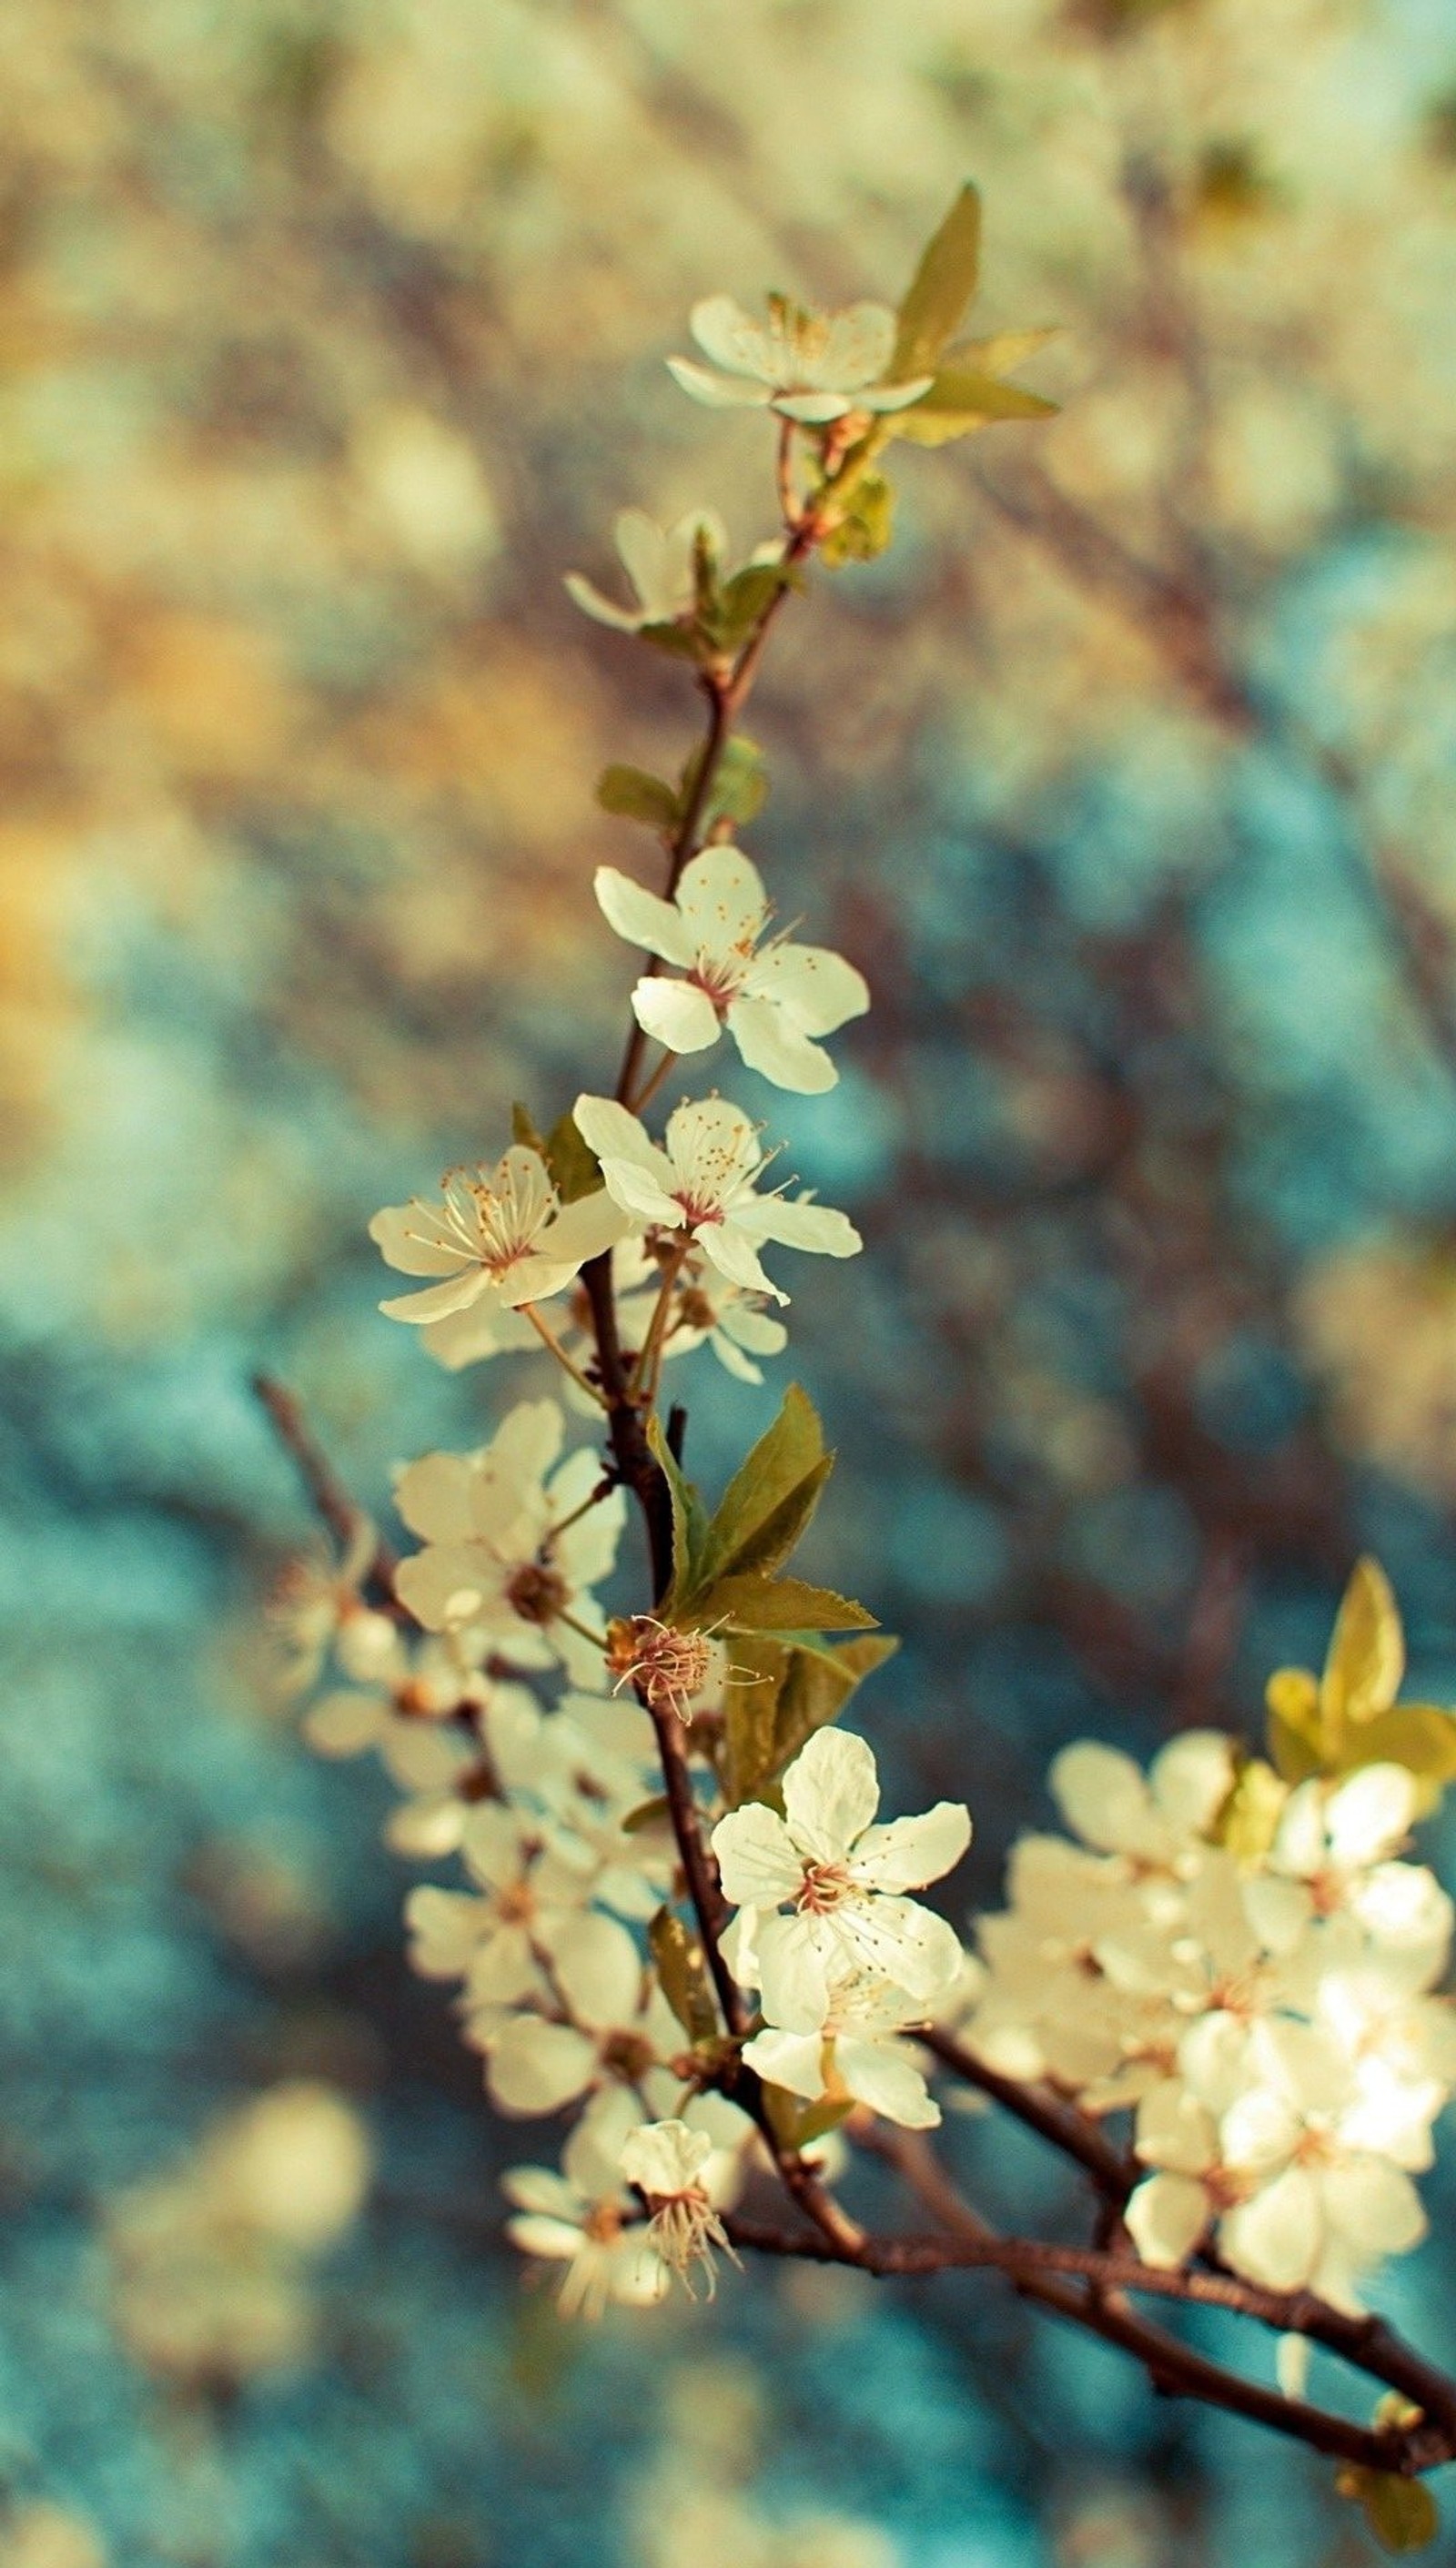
<point>689,1523</point>
<point>789,1456</point>
<point>940,289</point>
<point>630,793</point>
<point>1296,1724</point>
<point>645,1815</point>
<point>999,355</point>
<point>779,1694</point>
<point>750,1707</point>
<point>957,404</point>
<point>524,1130</point>
<point>1418,1735</point>
<point>680,641</point>
<point>867,527</point>
<point>575,1169</point>
<point>1249,1821</point>
<point>818,1685</point>
<point>740,787</point>
<point>1366,1652</point>
<point>745,601</point>
<point>683,1971</point>
<point>756,1604</point>
<point>1402,2512</point>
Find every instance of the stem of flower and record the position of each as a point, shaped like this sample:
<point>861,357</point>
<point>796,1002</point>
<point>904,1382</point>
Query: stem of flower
<point>548,1338</point>
<point>644,1372</point>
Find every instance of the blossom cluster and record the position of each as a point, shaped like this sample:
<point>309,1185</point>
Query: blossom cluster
<point>1247,1965</point>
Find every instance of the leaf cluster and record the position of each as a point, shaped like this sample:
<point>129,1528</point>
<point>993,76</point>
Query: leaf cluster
<point>1348,1715</point>
<point>737,794</point>
<point>730,1574</point>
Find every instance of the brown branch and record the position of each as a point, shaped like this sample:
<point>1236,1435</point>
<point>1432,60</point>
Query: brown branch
<point>327,1494</point>
<point>1073,2132</point>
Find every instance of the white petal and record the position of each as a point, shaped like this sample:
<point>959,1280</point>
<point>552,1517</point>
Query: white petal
<point>907,1853</point>
<point>1167,2216</point>
<point>615,1134</point>
<point>411,1236</point>
<point>911,1945</point>
<point>723,902</point>
<point>757,1857</point>
<point>713,1147</point>
<point>1102,1795</point>
<point>883,2075</point>
<point>815,1227</point>
<point>1368,1816</point>
<point>535,2235</point>
<point>769,1043</point>
<point>1174,2130</point>
<point>643,552</point>
<point>815,409</point>
<point>1275,2237</point>
<point>818,988</point>
<point>343,1725</point>
<point>858,345</point>
<point>586,594</point>
<point>676,1013</point>
<point>831,1792</point>
<point>717,392</point>
<point>641,917</point>
<point>1191,1779</point>
<point>665,2157</point>
<point>1374,2205</point>
<point>793,1984</point>
<point>535,2067</point>
<point>795,2061</point>
<point>438,1301</point>
<point>435,1498</point>
<point>598,1968</point>
<point>447,1585</point>
<point>729,1249</point>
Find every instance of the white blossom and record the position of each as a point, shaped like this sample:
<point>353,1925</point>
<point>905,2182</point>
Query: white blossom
<point>855,2054</point>
<point>841,1878</point>
<point>618,2026</point>
<point>507,1555</point>
<point>701,1183</point>
<point>661,565</point>
<point>809,365</point>
<point>775,999</point>
<point>585,2218</point>
<point>668,2163</point>
<point>499,1234</point>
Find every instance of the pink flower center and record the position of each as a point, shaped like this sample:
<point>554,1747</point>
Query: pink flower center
<point>822,1889</point>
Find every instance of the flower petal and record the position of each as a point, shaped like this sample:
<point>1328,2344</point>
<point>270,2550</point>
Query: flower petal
<point>772,1044</point>
<point>1274,2238</point>
<point>883,2075</point>
<point>831,1792</point>
<point>757,1858</point>
<point>818,988</point>
<point>794,1983</point>
<point>676,1013</point>
<point>535,2067</point>
<point>907,1853</point>
<point>795,2061</point>
<point>641,918</point>
<point>812,1226</point>
<point>723,901</point>
<point>717,392</point>
<point>413,1238</point>
<point>1167,2216</point>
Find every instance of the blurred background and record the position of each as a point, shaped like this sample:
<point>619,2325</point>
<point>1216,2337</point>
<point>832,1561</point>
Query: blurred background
<point>333,336</point>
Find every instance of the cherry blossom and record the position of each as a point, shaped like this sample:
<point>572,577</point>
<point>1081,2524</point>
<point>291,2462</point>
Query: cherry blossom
<point>660,563</point>
<point>701,1184</point>
<point>513,1549</point>
<point>814,366</point>
<point>841,1878</point>
<point>855,2053</point>
<point>499,1234</point>
<point>775,999</point>
<point>585,2218</point>
<point>668,2163</point>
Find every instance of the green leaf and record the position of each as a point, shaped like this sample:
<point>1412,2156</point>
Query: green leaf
<point>1402,2512</point>
<point>1366,1652</point>
<point>999,355</point>
<point>745,601</point>
<point>680,641</point>
<point>958,403</point>
<point>575,1169</point>
<point>867,527</point>
<point>817,1686</point>
<point>524,1130</point>
<point>750,1529</point>
<point>1249,1821</point>
<point>740,787</point>
<point>1296,1724</point>
<point>1418,1735</point>
<point>683,1971</point>
<point>645,1815</point>
<point>630,793</point>
<point>754,1604</point>
<point>940,289</point>
<point>689,1522</point>
<point>750,1709</point>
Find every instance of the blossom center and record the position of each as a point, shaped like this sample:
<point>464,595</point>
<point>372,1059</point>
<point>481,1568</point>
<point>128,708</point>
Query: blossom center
<point>538,1594</point>
<point>822,1889</point>
<point>627,2055</point>
<point>667,1667</point>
